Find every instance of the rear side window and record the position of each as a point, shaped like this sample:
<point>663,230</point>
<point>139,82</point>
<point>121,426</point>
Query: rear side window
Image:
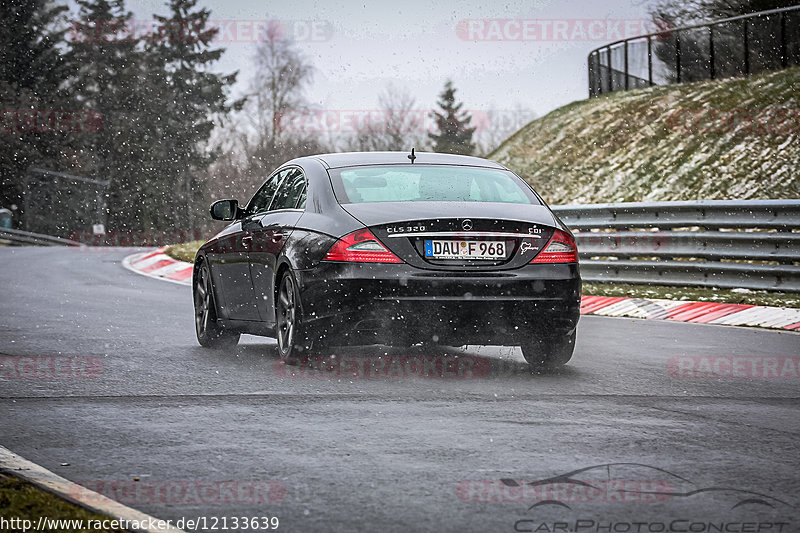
<point>290,191</point>
<point>262,198</point>
<point>429,184</point>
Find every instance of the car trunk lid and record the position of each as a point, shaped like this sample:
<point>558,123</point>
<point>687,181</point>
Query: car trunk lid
<point>460,236</point>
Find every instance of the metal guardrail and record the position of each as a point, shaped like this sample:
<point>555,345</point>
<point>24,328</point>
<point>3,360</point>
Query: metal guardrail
<point>725,244</point>
<point>736,46</point>
<point>19,237</point>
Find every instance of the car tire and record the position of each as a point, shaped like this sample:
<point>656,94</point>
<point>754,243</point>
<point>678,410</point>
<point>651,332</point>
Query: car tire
<point>549,352</point>
<point>290,333</point>
<point>210,333</point>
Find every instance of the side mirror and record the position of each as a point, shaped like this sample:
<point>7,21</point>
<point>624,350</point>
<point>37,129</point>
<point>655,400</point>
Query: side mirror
<point>225,210</point>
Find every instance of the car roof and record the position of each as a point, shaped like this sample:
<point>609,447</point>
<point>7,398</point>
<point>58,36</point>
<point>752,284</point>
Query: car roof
<point>352,159</point>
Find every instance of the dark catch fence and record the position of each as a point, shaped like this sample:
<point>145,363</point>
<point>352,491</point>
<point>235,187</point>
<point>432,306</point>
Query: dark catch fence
<point>737,46</point>
<point>61,205</point>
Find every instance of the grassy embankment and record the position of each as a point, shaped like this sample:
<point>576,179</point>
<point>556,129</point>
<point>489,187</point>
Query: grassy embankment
<point>21,500</point>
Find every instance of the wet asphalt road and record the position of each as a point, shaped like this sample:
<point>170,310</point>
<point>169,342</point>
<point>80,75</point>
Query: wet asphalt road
<point>369,445</point>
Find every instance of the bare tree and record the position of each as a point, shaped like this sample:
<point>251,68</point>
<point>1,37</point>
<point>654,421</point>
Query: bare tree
<point>255,141</point>
<point>276,89</point>
<point>496,125</point>
<point>404,124</point>
<point>397,125</point>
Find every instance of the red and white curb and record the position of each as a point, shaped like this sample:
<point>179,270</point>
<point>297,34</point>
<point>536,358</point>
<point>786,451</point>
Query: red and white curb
<point>696,312</point>
<point>156,264</point>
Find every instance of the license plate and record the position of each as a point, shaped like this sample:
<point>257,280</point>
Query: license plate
<point>436,249</point>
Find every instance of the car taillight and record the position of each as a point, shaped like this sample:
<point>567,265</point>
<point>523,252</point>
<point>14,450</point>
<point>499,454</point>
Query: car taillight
<point>560,249</point>
<point>360,246</point>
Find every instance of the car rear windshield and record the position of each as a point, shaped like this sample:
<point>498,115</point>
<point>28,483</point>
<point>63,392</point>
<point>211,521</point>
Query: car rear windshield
<point>429,184</point>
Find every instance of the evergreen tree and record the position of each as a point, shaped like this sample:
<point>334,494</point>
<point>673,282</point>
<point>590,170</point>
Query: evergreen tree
<point>158,104</point>
<point>32,74</point>
<point>106,79</point>
<point>191,98</point>
<point>453,124</point>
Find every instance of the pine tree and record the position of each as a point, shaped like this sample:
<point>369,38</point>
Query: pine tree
<point>158,103</point>
<point>32,72</point>
<point>453,124</point>
<point>192,97</point>
<point>106,79</point>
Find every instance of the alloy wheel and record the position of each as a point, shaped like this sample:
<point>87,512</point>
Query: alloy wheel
<point>287,314</point>
<point>202,302</point>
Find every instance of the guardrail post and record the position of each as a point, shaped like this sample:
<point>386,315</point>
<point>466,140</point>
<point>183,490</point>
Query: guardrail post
<point>610,73</point>
<point>678,56</point>
<point>650,60</point>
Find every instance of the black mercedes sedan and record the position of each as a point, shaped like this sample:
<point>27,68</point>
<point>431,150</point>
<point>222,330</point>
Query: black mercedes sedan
<point>391,248</point>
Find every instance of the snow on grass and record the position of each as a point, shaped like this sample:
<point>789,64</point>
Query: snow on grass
<point>725,139</point>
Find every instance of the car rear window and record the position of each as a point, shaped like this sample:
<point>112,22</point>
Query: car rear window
<point>429,184</point>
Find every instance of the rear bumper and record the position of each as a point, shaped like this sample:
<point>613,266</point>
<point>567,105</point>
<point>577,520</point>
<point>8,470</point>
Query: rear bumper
<point>397,303</point>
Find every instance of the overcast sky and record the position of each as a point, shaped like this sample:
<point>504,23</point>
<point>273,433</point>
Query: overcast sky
<point>533,59</point>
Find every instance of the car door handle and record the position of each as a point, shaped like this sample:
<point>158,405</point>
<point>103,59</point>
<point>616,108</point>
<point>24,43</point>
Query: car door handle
<point>247,240</point>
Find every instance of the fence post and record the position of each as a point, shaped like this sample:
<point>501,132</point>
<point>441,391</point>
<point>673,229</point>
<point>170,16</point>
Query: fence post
<point>650,60</point>
<point>678,56</point>
<point>598,83</point>
<point>610,74</point>
<point>626,66</point>
<point>711,67</point>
